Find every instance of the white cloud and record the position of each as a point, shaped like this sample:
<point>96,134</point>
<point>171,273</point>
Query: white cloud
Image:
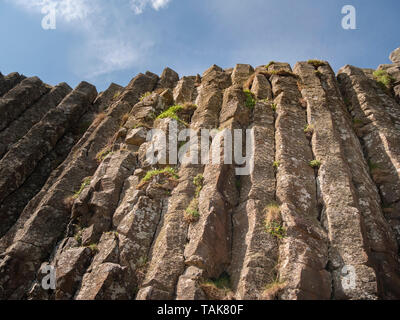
<point>138,6</point>
<point>112,41</point>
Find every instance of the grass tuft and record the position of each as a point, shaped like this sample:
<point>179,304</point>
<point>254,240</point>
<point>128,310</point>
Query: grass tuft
<point>84,184</point>
<point>316,63</point>
<point>315,163</point>
<point>250,99</point>
<point>273,221</point>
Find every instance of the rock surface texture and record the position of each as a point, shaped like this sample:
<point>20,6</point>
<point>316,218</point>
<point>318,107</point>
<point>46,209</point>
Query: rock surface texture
<point>316,217</point>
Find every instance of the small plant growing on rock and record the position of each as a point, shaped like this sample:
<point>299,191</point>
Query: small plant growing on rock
<point>93,247</point>
<point>116,95</point>
<point>276,164</point>
<point>144,95</point>
<point>384,80</point>
<point>316,63</point>
<point>167,171</point>
<point>250,100</point>
<point>273,289</point>
<point>274,107</point>
<point>318,73</point>
<point>172,114</point>
<point>198,182</point>
<point>84,184</point>
<point>269,64</point>
<point>192,214</point>
<point>309,128</point>
<point>104,153</point>
<point>217,289</point>
<point>315,163</point>
<point>273,221</point>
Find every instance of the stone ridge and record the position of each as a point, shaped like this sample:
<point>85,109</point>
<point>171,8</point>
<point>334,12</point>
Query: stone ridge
<point>317,218</point>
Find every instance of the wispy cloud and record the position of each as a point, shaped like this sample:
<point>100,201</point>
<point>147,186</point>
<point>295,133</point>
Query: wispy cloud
<point>112,41</point>
<point>138,6</point>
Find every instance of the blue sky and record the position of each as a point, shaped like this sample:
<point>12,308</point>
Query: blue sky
<point>103,41</point>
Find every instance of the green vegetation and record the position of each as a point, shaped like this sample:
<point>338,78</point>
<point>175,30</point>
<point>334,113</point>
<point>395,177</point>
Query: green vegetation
<point>318,73</point>
<point>269,64</point>
<point>172,114</point>
<point>144,95</point>
<point>116,95</point>
<point>383,79</point>
<point>192,213</point>
<point>198,182</point>
<point>276,229</point>
<point>309,128</point>
<point>250,99</point>
<point>316,63</point>
<point>93,247</point>
<point>104,153</point>
<point>217,289</point>
<point>223,282</point>
<point>276,164</point>
<point>273,221</point>
<point>273,289</point>
<point>84,184</point>
<point>315,164</point>
<point>165,171</point>
<point>274,106</point>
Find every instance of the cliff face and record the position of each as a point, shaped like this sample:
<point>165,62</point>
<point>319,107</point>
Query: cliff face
<point>317,217</point>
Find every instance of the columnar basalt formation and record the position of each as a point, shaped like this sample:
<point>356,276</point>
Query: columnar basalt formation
<point>317,215</point>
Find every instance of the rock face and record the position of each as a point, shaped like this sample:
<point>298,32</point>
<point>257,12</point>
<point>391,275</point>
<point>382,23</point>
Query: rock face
<point>317,215</point>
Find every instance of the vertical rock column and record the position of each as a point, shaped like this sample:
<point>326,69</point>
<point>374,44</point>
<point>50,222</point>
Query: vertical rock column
<point>341,214</point>
<point>377,127</point>
<point>380,237</point>
<point>167,260</point>
<point>304,248</point>
<point>254,251</point>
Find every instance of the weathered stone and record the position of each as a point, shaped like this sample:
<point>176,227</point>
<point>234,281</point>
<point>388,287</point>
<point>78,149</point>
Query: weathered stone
<point>107,97</point>
<point>45,217</point>
<point>304,249</point>
<point>70,268</point>
<point>342,215</point>
<point>168,79</point>
<point>10,81</point>
<point>18,99</point>
<point>168,97</point>
<point>108,281</point>
<point>261,87</point>
<point>241,73</point>
<point>18,128</point>
<point>395,56</point>
<point>136,136</point>
<point>185,90</point>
